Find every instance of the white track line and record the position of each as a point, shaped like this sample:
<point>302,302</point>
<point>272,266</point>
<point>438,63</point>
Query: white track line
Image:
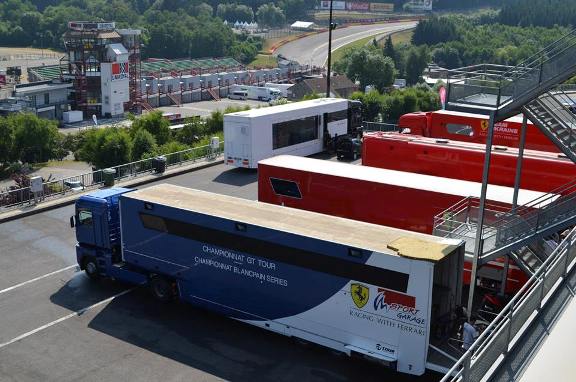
<point>37,279</point>
<point>71,315</point>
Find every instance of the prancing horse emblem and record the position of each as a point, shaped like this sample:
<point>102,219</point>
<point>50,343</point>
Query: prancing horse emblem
<point>360,294</point>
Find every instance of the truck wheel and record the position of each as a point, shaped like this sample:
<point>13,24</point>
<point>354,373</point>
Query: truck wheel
<point>161,288</point>
<point>91,268</point>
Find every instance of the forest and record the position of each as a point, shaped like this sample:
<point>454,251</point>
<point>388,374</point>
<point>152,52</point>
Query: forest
<point>171,28</point>
<point>456,41</point>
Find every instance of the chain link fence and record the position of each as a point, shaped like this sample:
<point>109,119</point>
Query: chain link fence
<point>51,190</point>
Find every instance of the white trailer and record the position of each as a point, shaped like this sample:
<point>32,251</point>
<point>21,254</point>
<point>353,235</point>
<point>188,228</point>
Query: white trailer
<point>259,93</point>
<point>282,87</point>
<point>299,128</point>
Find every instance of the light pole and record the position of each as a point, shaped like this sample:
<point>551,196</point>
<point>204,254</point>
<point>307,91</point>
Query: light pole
<point>331,26</point>
<point>159,85</point>
<point>147,92</point>
<point>201,82</point>
<point>181,93</point>
<point>219,87</point>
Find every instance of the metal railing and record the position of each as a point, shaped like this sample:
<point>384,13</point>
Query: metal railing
<point>555,112</point>
<point>504,227</point>
<point>379,126</point>
<point>12,199</point>
<point>500,337</point>
<point>496,85</point>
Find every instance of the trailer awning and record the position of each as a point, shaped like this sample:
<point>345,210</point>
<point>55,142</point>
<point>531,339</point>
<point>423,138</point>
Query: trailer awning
<point>417,249</point>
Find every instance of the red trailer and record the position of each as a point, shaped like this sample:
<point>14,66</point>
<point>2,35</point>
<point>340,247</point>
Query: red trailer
<point>541,171</point>
<point>468,127</point>
<point>391,198</point>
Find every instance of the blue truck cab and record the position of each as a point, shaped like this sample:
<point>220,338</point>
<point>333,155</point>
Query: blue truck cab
<point>98,233</point>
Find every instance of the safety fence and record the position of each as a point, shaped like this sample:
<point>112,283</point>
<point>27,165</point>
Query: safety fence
<point>51,190</point>
<point>499,338</point>
<point>379,126</point>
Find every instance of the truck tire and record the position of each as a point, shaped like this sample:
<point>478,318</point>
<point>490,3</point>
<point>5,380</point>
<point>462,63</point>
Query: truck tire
<point>91,268</point>
<point>161,288</point>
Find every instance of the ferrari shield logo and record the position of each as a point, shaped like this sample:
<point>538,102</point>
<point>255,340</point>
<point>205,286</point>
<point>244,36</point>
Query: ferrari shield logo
<point>484,125</point>
<point>360,294</point>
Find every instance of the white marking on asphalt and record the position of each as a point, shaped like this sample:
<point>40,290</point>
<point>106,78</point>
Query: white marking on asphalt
<point>37,279</point>
<point>61,319</point>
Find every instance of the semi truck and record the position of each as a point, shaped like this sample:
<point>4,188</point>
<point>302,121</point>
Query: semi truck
<point>470,127</point>
<point>358,288</point>
<point>259,93</point>
<point>541,171</point>
<point>391,198</point>
<point>299,128</point>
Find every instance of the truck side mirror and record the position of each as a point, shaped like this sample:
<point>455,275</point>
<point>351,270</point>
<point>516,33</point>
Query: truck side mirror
<point>72,222</point>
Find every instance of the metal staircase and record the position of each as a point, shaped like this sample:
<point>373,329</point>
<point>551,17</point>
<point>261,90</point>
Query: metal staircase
<point>504,90</point>
<point>554,113</point>
<point>507,231</point>
<point>531,257</point>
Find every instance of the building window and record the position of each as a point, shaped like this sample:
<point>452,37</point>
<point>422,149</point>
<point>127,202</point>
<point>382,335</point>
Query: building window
<point>46,98</point>
<point>291,133</point>
<point>286,188</point>
<point>456,128</point>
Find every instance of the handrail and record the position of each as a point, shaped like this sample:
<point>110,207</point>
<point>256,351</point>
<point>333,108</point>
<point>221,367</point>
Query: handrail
<point>14,198</point>
<point>506,316</point>
<point>544,50</point>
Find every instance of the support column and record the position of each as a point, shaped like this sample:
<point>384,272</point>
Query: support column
<point>478,242</point>
<point>520,161</point>
<point>330,27</point>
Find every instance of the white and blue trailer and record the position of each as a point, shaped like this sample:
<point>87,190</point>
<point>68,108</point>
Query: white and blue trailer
<point>355,287</point>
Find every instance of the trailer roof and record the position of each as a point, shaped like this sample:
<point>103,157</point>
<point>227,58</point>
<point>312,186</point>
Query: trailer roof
<point>430,183</point>
<point>302,106</point>
<point>386,240</point>
<point>472,146</point>
<point>516,118</point>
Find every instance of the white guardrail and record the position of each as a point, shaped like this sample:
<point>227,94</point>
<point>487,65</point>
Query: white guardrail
<point>12,199</point>
<point>494,344</point>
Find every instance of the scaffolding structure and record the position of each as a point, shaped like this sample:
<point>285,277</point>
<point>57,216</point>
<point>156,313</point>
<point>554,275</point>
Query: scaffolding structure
<point>131,40</point>
<point>86,44</point>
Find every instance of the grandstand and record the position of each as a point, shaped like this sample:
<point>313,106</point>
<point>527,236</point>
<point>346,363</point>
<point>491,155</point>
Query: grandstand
<point>155,67</point>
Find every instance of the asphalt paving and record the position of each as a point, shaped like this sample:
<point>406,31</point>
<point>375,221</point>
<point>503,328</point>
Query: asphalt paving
<point>57,325</point>
<point>313,50</point>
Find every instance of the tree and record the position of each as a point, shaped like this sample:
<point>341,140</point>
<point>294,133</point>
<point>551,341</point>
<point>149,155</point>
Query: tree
<point>368,66</point>
<point>106,147</point>
<point>192,131</point>
<point>115,149</point>
<point>447,57</point>
<point>235,12</point>
<point>389,50</point>
<point>143,142</point>
<point>416,62</point>
<point>6,142</point>
<point>371,104</point>
<point>155,124</point>
<point>270,15</point>
<point>296,9</point>
<point>35,140</point>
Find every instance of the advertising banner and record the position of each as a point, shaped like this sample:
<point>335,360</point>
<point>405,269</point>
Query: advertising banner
<point>357,6</point>
<point>381,7</point>
<point>119,71</point>
<point>336,5</point>
<point>420,5</point>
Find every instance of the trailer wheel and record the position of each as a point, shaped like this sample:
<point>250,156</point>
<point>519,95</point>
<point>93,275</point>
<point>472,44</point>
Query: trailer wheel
<point>91,268</point>
<point>161,288</point>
